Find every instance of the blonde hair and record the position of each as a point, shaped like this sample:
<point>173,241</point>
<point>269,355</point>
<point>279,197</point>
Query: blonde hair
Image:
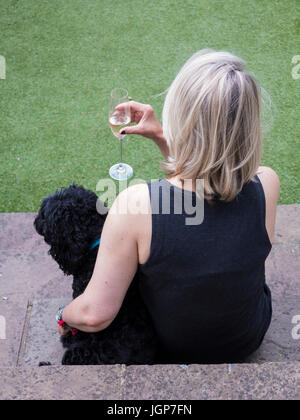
<point>211,122</point>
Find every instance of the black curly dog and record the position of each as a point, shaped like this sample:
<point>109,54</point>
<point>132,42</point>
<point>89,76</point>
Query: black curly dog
<point>69,222</point>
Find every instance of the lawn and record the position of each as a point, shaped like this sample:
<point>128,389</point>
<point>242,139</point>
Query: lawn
<point>64,57</point>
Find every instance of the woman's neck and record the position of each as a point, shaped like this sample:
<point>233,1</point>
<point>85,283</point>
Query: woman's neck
<point>186,184</point>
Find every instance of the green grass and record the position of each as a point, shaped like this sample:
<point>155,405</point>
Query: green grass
<point>64,57</point>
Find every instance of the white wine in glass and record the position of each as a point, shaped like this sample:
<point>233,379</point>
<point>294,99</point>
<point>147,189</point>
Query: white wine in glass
<point>117,121</point>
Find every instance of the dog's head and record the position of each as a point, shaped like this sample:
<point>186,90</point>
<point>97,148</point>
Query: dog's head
<point>70,223</point>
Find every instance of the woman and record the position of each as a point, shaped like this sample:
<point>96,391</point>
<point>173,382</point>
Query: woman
<point>204,285</point>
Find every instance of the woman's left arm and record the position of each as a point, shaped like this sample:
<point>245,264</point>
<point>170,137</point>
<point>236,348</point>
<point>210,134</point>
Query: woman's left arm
<point>114,270</point>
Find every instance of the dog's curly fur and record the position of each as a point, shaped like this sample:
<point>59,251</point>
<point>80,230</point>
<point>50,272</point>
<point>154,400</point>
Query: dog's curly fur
<point>69,222</point>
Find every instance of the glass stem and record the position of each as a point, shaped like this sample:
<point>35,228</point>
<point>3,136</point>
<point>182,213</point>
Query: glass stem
<point>121,157</point>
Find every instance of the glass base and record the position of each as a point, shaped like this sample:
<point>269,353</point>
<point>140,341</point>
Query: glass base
<point>121,171</point>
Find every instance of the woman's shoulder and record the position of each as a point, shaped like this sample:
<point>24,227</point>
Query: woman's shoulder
<point>140,189</point>
<point>267,172</point>
<point>271,186</point>
<point>134,199</point>
<point>270,181</point>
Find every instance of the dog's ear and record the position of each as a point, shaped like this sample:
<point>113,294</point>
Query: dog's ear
<point>70,223</point>
<point>39,222</point>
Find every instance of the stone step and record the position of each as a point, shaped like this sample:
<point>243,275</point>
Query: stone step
<point>269,381</point>
<point>42,341</point>
<point>32,287</point>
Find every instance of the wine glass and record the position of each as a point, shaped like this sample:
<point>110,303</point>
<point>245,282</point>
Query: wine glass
<point>117,121</point>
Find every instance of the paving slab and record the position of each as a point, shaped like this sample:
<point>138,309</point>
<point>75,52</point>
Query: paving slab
<point>33,274</point>
<point>13,310</point>
<point>25,266</point>
<point>287,223</point>
<point>42,340</point>
<point>63,382</point>
<point>270,381</point>
<point>279,344</point>
<point>283,268</point>
<point>282,276</point>
<point>172,382</point>
<point>17,232</point>
<point>254,381</point>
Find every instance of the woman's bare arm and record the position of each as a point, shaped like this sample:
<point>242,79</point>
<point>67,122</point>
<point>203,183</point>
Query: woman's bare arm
<point>114,270</point>
<point>271,185</point>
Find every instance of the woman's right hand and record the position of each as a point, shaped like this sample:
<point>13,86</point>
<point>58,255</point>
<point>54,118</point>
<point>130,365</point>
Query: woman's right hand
<point>147,123</point>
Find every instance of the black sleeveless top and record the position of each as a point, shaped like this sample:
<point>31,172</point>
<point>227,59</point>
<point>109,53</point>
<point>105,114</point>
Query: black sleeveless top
<point>204,284</point>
